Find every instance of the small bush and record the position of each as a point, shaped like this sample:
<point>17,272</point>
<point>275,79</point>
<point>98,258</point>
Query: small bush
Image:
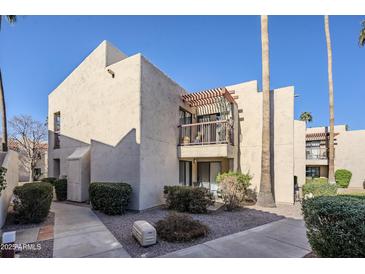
<point>317,180</point>
<point>110,198</point>
<point>343,177</point>
<point>318,188</point>
<point>188,199</point>
<point>233,187</point>
<point>335,226</point>
<point>32,202</point>
<point>180,228</point>
<point>61,189</point>
<point>51,180</point>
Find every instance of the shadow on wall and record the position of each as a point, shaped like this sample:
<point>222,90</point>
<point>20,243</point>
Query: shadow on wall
<point>108,163</point>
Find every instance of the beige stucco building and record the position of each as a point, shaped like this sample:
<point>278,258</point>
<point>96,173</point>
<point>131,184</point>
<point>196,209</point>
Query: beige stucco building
<point>119,118</point>
<point>349,152</point>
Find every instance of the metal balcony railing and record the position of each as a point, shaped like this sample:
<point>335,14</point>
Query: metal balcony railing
<point>205,133</point>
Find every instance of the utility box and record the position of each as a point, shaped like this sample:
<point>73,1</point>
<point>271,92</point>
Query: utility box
<point>78,179</point>
<point>144,233</point>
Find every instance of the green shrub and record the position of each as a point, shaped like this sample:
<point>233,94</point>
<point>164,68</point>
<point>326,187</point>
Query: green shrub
<point>343,177</point>
<point>32,202</point>
<point>336,225</point>
<point>233,188</point>
<point>180,228</point>
<point>318,188</point>
<point>188,199</point>
<point>61,189</point>
<point>110,198</point>
<point>317,180</point>
<point>51,180</point>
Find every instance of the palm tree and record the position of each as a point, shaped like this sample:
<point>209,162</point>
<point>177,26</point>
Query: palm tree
<point>4,141</point>
<point>362,34</point>
<point>265,197</point>
<point>306,117</point>
<point>331,161</point>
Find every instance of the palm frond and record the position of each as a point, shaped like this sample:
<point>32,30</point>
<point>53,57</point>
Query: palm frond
<point>362,35</point>
<point>11,18</point>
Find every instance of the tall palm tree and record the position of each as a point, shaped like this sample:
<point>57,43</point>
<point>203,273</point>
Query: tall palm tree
<point>306,117</point>
<point>362,34</point>
<point>265,197</point>
<point>331,159</point>
<point>4,141</point>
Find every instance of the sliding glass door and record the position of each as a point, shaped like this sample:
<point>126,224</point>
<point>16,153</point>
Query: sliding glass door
<point>207,174</point>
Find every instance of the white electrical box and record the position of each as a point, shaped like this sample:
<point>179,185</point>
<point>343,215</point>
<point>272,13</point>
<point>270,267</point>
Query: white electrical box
<point>144,232</point>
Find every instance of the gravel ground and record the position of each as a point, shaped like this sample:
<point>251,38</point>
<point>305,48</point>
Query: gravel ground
<point>44,250</point>
<point>10,225</point>
<point>40,249</point>
<point>220,223</point>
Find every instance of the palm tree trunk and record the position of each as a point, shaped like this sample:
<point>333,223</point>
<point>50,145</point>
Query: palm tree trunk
<point>4,140</point>
<point>265,197</point>
<point>331,158</point>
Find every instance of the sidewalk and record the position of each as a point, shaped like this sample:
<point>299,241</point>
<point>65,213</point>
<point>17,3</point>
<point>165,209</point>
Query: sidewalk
<point>79,233</point>
<point>281,239</point>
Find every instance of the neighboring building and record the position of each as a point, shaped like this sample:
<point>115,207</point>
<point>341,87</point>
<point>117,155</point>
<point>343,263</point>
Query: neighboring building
<point>118,118</point>
<point>41,169</point>
<point>349,152</point>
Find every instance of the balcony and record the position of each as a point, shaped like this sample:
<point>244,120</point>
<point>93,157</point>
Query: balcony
<point>206,139</point>
<point>316,156</point>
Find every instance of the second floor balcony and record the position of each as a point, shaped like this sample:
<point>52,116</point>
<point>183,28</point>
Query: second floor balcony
<point>206,133</point>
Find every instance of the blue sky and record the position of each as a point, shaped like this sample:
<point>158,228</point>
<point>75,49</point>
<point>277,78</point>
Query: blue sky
<point>198,52</point>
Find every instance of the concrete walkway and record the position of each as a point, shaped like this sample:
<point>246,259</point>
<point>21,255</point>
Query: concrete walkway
<point>281,239</point>
<point>78,233</point>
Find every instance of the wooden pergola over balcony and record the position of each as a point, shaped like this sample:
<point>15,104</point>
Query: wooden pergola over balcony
<point>207,131</point>
<point>207,97</point>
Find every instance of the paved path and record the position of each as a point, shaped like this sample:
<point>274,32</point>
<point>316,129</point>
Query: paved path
<point>281,239</point>
<point>78,233</point>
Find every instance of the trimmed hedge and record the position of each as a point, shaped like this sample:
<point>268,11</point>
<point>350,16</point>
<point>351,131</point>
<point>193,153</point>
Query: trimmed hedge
<point>32,202</point>
<point>335,226</point>
<point>180,228</point>
<point>51,180</point>
<point>343,177</point>
<point>61,189</point>
<point>110,198</point>
<point>318,188</point>
<point>188,199</point>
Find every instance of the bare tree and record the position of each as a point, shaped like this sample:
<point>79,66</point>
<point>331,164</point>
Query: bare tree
<point>29,138</point>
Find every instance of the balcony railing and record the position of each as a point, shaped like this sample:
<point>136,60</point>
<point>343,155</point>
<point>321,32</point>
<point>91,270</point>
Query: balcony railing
<point>205,133</point>
<point>320,154</point>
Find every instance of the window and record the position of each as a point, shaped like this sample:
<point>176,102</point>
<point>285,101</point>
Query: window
<point>37,171</point>
<point>57,129</point>
<point>185,173</point>
<point>312,172</point>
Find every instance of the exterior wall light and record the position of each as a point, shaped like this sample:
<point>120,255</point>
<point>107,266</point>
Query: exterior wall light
<point>111,73</point>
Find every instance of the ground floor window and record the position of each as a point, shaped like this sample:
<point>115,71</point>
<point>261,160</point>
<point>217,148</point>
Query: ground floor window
<point>185,173</point>
<point>312,172</point>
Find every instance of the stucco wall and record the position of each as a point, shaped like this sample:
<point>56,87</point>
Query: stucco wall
<point>105,111</point>
<point>9,161</point>
<point>250,137</point>
<point>299,151</point>
<point>159,165</point>
<point>350,154</point>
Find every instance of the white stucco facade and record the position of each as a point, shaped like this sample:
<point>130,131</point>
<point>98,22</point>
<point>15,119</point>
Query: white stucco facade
<point>125,112</point>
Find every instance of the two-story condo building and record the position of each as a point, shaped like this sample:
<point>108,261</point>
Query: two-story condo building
<point>118,118</point>
<point>349,152</point>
